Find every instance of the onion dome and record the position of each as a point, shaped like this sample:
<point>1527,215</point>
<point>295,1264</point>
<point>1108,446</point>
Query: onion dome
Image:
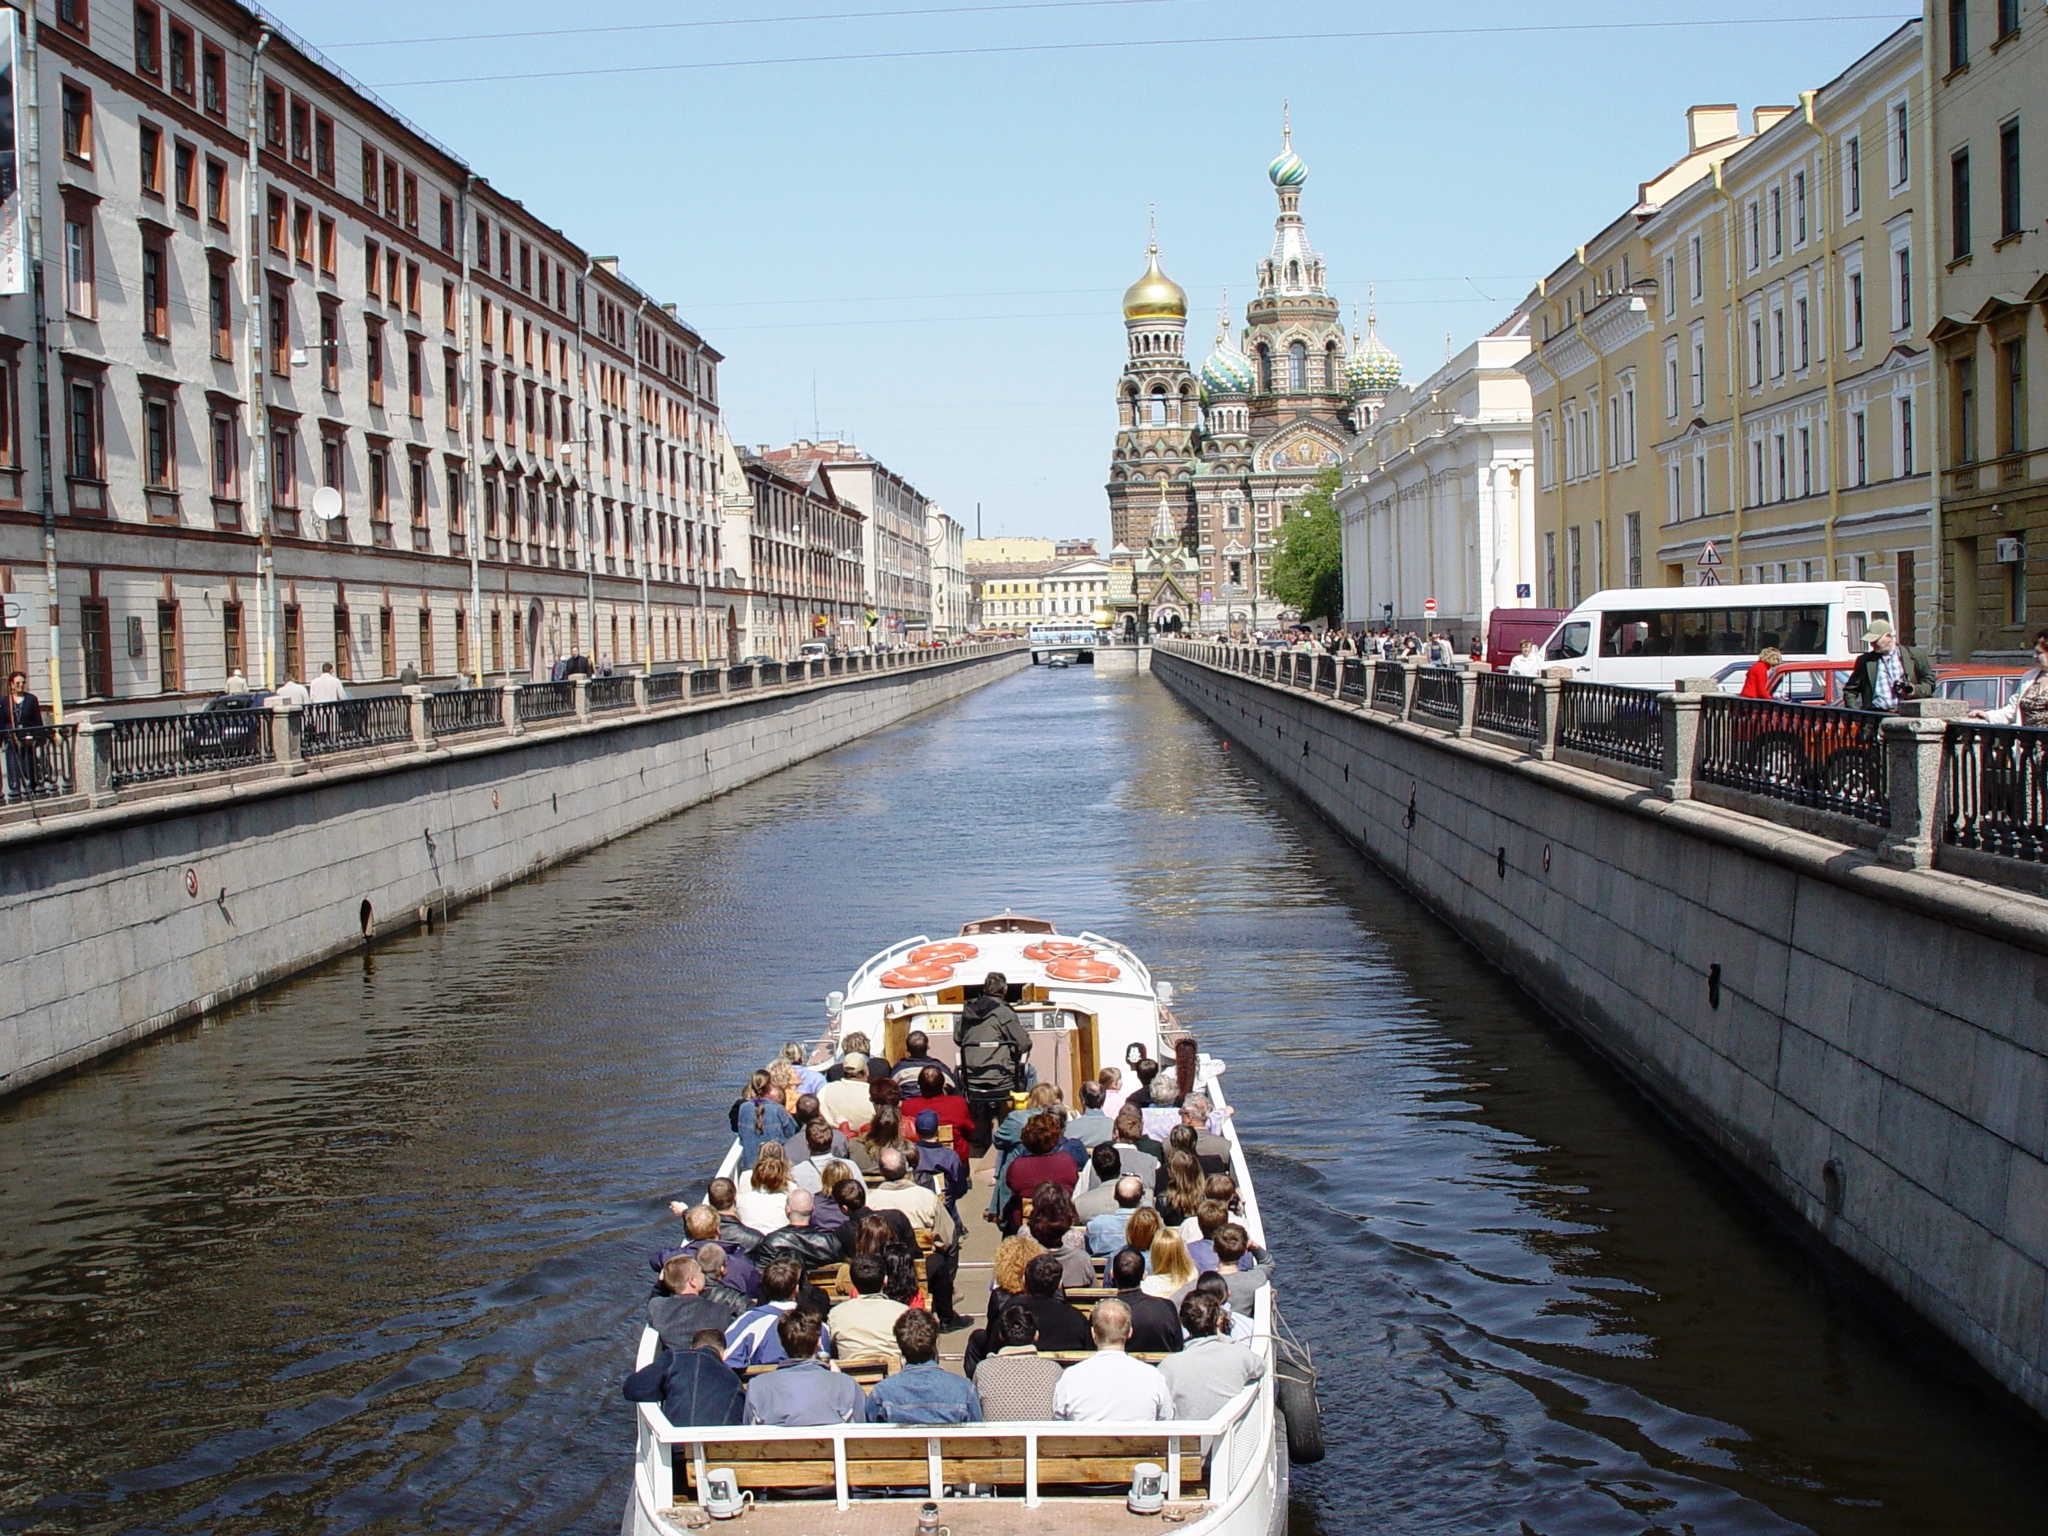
<point>1286,169</point>
<point>1155,296</point>
<point>1228,372</point>
<point>1372,369</point>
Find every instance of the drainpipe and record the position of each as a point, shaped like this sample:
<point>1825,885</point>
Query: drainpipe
<point>471,475</point>
<point>33,185</point>
<point>1825,325</point>
<point>589,492</point>
<point>1735,385</point>
<point>1929,317</point>
<point>259,422</point>
<point>639,481</point>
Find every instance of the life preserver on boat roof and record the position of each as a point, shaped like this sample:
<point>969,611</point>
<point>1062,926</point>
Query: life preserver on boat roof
<point>1082,967</point>
<point>952,952</point>
<point>1054,949</point>
<point>908,977</point>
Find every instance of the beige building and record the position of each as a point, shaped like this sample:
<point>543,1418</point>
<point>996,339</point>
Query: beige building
<point>1007,551</point>
<point>1988,155</point>
<point>1012,595</point>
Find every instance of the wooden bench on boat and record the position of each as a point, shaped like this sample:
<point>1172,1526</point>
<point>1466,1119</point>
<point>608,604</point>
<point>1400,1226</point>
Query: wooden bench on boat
<point>1055,1456</point>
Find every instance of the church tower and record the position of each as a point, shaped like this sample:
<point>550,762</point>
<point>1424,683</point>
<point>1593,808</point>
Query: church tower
<point>1293,334</point>
<point>1157,413</point>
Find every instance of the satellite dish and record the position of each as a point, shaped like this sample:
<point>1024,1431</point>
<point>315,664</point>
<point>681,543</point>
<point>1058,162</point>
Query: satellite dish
<point>327,504</point>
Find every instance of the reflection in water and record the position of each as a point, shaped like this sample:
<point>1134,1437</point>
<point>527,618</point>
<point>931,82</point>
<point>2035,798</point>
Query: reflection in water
<point>366,1254</point>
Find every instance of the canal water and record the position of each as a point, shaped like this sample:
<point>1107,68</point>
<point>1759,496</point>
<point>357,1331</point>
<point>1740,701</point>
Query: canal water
<point>366,1254</point>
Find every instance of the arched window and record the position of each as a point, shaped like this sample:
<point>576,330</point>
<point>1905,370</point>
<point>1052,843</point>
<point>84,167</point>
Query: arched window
<point>1297,366</point>
<point>1294,274</point>
<point>1159,408</point>
<point>1265,369</point>
<point>1330,366</point>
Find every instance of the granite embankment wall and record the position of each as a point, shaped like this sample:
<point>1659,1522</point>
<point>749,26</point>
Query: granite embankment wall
<point>120,922</point>
<point>1867,1044</point>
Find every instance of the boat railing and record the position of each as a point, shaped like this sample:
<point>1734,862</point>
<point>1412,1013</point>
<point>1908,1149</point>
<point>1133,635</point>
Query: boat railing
<point>1233,1442</point>
<point>877,962</point>
<point>1144,971</point>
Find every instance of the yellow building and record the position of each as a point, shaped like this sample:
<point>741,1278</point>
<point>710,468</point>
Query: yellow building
<point>1988,145</point>
<point>1012,600</point>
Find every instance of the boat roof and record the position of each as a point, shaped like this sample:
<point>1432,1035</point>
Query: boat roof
<point>999,944</point>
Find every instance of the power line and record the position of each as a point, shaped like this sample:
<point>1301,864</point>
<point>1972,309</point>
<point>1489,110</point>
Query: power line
<point>747,21</point>
<point>1035,293</point>
<point>1377,35</point>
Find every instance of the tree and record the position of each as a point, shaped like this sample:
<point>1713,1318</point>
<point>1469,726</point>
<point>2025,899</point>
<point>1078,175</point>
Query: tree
<point>1308,570</point>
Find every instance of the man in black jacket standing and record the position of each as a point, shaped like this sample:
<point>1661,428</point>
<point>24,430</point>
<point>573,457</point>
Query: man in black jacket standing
<point>994,1046</point>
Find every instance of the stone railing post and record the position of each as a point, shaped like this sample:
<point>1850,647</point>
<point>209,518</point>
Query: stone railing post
<point>512,725</point>
<point>1468,698</point>
<point>582,685</point>
<point>422,726</point>
<point>1681,743</point>
<point>1408,671</point>
<point>93,765</point>
<point>287,737</point>
<point>640,701</point>
<point>1549,705</point>
<point>1912,750</point>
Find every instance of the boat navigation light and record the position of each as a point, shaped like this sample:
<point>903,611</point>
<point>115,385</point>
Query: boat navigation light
<point>834,1002</point>
<point>1148,1489</point>
<point>1165,991</point>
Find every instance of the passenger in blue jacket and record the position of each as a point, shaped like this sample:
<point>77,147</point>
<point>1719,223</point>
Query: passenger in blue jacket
<point>694,1386</point>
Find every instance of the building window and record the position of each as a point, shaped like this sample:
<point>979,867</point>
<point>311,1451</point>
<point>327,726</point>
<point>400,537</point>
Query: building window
<point>185,179</point>
<point>156,307</point>
<point>2008,18</point>
<point>280,329</point>
<point>328,243</point>
<point>323,147</point>
<point>1959,204</point>
<point>1799,207</point>
<point>86,459</point>
<point>220,315</point>
<point>149,146</point>
<point>1859,448</point>
<point>1906,436</point>
<point>95,635</point>
<point>447,224</point>
<point>1802,333</point>
<point>181,60</point>
<point>213,82</point>
<point>230,638</point>
<point>159,444</point>
<point>1855,311</point>
<point>274,223</point>
<point>370,179</point>
<point>1852,174</point>
<point>1964,389</point>
<point>415,378</point>
<point>416,497</point>
<point>1777,222</point>
<point>302,234</point>
<point>373,360</point>
<point>227,457</point>
<point>380,495</point>
<point>302,134</point>
<point>1805,461</point>
<point>457,533</point>
<point>284,467</point>
<point>2009,201</point>
<point>1958,34</point>
<point>273,117</point>
<point>2012,396</point>
<point>76,107</point>
<point>344,644</point>
<point>1902,286</point>
<point>216,193</point>
<point>1632,549</point>
<point>1699,486</point>
<point>1573,545</point>
<point>1902,147</point>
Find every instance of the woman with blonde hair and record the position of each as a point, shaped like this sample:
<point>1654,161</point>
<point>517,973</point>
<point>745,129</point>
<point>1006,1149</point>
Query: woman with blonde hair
<point>1011,1257</point>
<point>782,1084</point>
<point>764,1193</point>
<point>1173,1270</point>
<point>1181,1187</point>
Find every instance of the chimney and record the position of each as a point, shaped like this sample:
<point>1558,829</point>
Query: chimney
<point>1767,118</point>
<point>1710,125</point>
<point>606,263</point>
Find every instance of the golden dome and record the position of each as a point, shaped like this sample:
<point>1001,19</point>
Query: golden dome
<point>1155,296</point>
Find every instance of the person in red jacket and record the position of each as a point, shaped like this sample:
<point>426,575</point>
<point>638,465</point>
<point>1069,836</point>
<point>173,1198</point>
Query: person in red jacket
<point>1756,682</point>
<point>934,1093</point>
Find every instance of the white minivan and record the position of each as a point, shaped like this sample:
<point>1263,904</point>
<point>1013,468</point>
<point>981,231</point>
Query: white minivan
<point>1650,637</point>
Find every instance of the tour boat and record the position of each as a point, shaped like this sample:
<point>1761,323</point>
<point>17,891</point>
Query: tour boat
<point>1089,1002</point>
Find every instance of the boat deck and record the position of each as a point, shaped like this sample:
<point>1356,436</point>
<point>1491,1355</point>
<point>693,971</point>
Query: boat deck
<point>963,1517</point>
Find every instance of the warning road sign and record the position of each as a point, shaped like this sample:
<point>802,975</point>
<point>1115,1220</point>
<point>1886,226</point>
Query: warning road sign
<point>1710,556</point>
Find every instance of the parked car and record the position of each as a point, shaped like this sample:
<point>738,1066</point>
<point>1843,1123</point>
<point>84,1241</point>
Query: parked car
<point>1978,684</point>
<point>229,727</point>
<point>813,650</point>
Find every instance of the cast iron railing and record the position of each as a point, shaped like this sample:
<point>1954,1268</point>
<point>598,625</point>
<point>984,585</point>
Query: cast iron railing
<point>347,725</point>
<point>1994,790</point>
<point>1439,695</point>
<point>148,748</point>
<point>606,693</point>
<point>461,710</point>
<point>547,701</point>
<point>1624,725</point>
<point>1354,680</point>
<point>1508,705</point>
<point>1389,684</point>
<point>768,673</point>
<point>36,763</point>
<point>1805,754</point>
<point>703,681</point>
<point>738,678</point>
<point>666,687</point>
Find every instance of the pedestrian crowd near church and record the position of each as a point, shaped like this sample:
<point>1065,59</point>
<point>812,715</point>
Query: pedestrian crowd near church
<point>1127,1198</point>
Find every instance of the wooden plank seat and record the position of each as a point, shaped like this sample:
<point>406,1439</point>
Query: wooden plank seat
<point>836,1281</point>
<point>866,1371</point>
<point>1076,1459</point>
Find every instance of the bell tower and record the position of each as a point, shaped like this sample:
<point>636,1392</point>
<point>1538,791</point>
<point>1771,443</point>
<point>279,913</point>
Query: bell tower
<point>1157,411</point>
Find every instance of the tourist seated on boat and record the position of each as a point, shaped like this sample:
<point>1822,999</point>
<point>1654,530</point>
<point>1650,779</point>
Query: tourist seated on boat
<point>863,1327</point>
<point>722,1277</point>
<point>734,1234</point>
<point>936,1096</point>
<point>1155,1323</point>
<point>1113,1091</point>
<point>844,1102</point>
<point>1091,1127</point>
<point>1009,1132</point>
<point>694,1386</point>
<point>1040,1162</point>
<point>762,1194</point>
<point>1211,1148</point>
<point>826,1212</point>
<point>798,1237</point>
<point>804,1112</point>
<point>1096,1193</point>
<point>782,1084</point>
<point>923,1392</point>
<point>752,1339</point>
<point>1213,1367</point>
<point>917,1055</point>
<point>1173,1272</point>
<point>1104,1234</point>
<point>681,1308</point>
<point>1053,1226</point>
<point>1109,1386</point>
<point>877,1231</point>
<point>1243,1267</point>
<point>895,1190</point>
<point>1180,1187</point>
<point>808,1078</point>
<point>814,1151</point>
<point>1137,1152</point>
<point>1163,1113</point>
<point>1061,1324</point>
<point>1240,1323</point>
<point>901,1282</point>
<point>1144,1070</point>
<point>1144,1225</point>
<point>852,1043</point>
<point>759,1116</point>
<point>1209,1216</point>
<point>939,1168</point>
<point>803,1390</point>
<point>1016,1383</point>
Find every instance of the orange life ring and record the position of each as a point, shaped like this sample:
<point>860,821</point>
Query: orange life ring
<point>1054,949</point>
<point>1082,968</point>
<point>950,953</point>
<point>909,977</point>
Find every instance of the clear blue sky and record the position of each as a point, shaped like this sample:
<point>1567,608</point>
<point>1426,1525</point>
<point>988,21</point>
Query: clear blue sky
<point>937,245</point>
